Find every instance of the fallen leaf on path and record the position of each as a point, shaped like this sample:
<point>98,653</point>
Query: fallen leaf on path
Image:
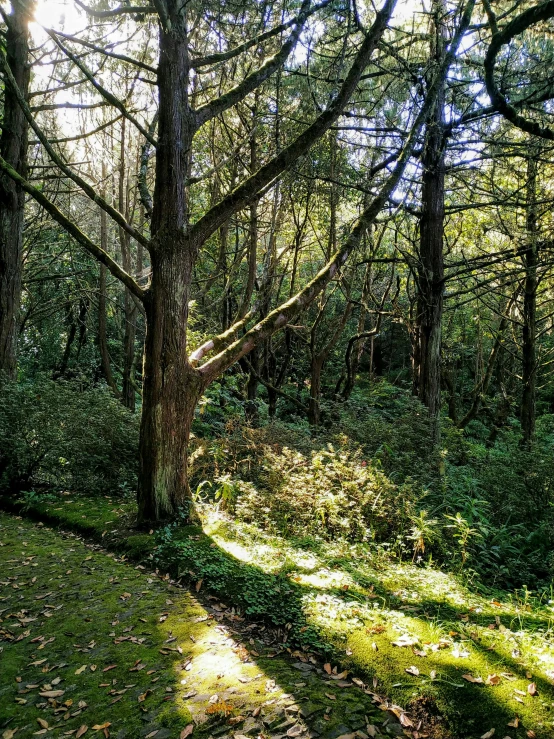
<point>327,668</point>
<point>187,731</point>
<point>412,670</point>
<point>405,641</point>
<point>81,731</point>
<point>472,679</point>
<point>514,722</point>
<point>493,679</point>
<point>99,727</point>
<point>532,689</point>
<point>488,734</point>
<point>42,723</point>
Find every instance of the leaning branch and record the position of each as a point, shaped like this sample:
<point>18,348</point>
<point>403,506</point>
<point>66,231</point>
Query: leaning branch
<point>286,312</point>
<point>58,161</point>
<point>242,195</point>
<point>254,80</point>
<point>73,230</point>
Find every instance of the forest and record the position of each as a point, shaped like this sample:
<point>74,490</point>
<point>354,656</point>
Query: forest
<point>277,369</point>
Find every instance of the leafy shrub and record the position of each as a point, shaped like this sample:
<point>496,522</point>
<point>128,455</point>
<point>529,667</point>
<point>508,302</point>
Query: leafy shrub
<point>56,434</point>
<point>306,485</point>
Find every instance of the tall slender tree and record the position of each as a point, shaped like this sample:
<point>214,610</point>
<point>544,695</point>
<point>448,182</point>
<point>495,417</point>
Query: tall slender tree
<point>13,149</point>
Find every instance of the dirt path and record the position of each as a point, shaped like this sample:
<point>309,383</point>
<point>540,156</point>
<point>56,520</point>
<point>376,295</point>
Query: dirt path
<point>93,646</point>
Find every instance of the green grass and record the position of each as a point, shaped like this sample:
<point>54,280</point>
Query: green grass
<point>351,603</point>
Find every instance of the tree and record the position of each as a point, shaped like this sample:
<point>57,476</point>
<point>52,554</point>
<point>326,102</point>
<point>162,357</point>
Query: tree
<point>173,378</point>
<point>13,149</point>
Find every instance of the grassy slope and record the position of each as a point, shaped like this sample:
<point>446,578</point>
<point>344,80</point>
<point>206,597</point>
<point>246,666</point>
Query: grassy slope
<point>352,605</point>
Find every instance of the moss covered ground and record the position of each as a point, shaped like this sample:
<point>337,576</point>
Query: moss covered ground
<point>461,661</point>
<point>92,645</point>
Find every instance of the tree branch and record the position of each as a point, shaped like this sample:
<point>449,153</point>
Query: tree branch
<point>224,56</point>
<point>518,25</point>
<point>74,230</point>
<point>241,196</point>
<point>100,50</point>
<point>281,316</point>
<point>121,10</point>
<point>254,80</point>
<point>106,94</point>
<point>58,161</point>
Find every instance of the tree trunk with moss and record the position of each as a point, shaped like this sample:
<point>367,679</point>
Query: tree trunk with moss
<point>430,278</point>
<point>529,329</point>
<point>13,148</point>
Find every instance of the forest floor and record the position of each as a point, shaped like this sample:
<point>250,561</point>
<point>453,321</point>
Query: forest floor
<point>459,662</point>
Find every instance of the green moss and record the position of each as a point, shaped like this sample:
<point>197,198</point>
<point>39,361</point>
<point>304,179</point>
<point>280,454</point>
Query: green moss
<point>350,604</point>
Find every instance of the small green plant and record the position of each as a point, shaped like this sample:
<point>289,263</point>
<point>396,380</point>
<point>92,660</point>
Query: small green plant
<point>463,532</point>
<point>423,532</point>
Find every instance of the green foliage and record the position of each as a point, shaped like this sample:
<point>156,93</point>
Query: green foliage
<point>324,487</point>
<point>62,436</point>
<point>259,595</point>
<point>483,510</point>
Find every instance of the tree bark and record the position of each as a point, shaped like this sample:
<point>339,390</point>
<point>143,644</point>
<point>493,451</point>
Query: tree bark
<point>171,387</point>
<point>529,330</point>
<point>427,376</point>
<point>129,307</point>
<point>13,148</point>
<point>171,391</point>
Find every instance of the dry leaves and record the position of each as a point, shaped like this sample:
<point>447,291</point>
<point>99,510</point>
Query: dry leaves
<point>187,731</point>
<point>472,679</point>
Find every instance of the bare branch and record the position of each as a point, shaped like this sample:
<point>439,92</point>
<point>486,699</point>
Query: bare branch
<point>100,50</point>
<point>83,184</point>
<point>106,94</point>
<point>121,10</point>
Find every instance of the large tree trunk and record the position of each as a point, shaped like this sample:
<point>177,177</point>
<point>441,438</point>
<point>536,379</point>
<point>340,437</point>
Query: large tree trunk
<point>427,354</point>
<point>529,330</point>
<point>13,148</point>
<point>171,391</point>
<point>171,387</point>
